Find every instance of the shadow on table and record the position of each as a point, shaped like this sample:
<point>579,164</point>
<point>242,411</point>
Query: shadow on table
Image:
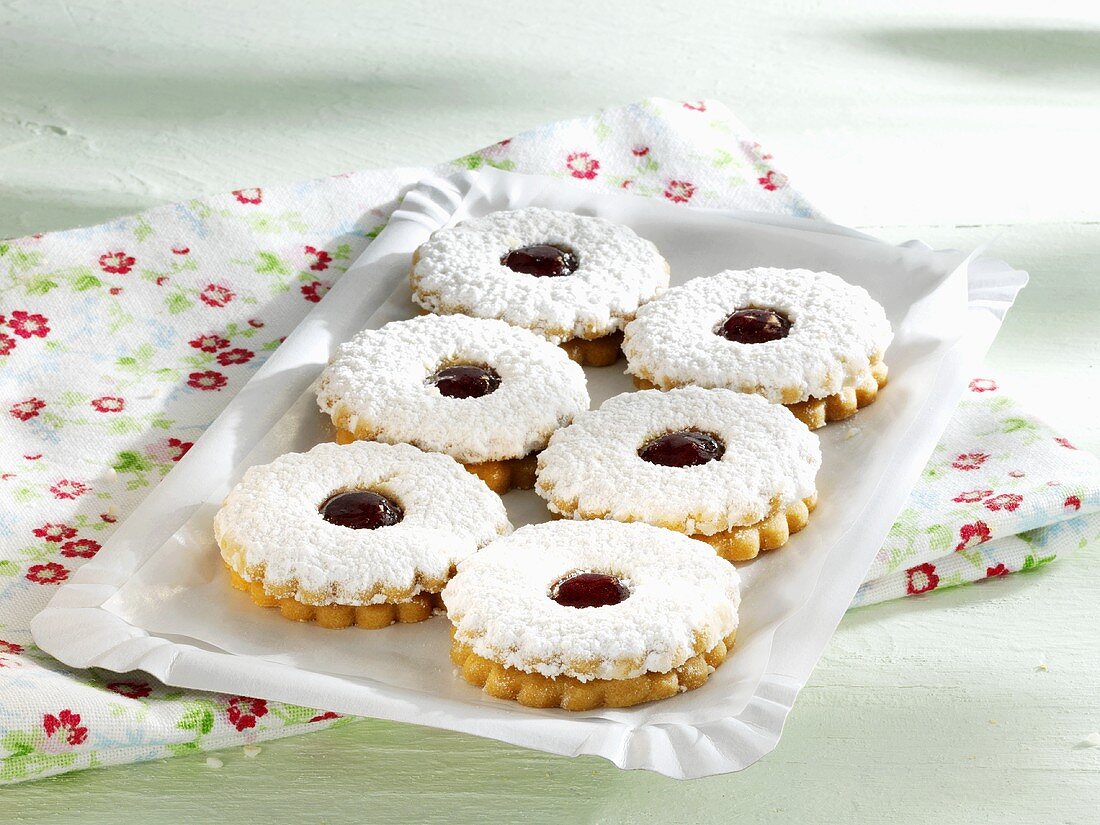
<point>1035,55</point>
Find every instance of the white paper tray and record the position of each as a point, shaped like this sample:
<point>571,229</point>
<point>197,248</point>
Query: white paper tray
<point>156,598</point>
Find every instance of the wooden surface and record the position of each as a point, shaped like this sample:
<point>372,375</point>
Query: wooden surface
<point>954,128</point>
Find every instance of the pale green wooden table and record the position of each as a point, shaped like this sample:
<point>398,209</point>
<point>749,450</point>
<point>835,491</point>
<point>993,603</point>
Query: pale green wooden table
<point>947,128</point>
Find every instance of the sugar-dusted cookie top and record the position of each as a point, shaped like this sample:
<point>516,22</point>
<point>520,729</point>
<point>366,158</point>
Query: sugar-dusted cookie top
<point>593,600</point>
<point>785,334</point>
<point>690,459</point>
<point>476,389</point>
<point>561,275</point>
<point>357,524</point>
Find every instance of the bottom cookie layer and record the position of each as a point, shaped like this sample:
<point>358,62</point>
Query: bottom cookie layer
<point>337,616</point>
<point>817,412</point>
<point>500,476</point>
<point>537,691</point>
<point>597,352</point>
<point>744,543</point>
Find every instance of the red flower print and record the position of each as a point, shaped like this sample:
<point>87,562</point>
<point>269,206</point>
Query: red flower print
<point>109,518</point>
<point>998,570</point>
<point>13,649</point>
<point>80,549</point>
<point>640,151</point>
<point>26,325</point>
<point>178,449</point>
<point>1016,474</point>
<point>209,343</point>
<point>983,385</point>
<point>328,714</point>
<point>208,380</point>
<point>252,196</point>
<point>973,534</point>
<point>773,180</point>
<point>67,488</point>
<point>323,259</point>
<point>115,290</point>
<point>116,263</point>
<point>26,410</point>
<point>180,250</point>
<point>244,711</point>
<point>969,461</point>
<point>1072,501</point>
<point>754,149</point>
<point>108,404</point>
<point>1064,442</point>
<point>131,690</point>
<point>972,496</point>
<point>255,323</point>
<point>921,579</point>
<point>696,106</point>
<point>55,532</point>
<point>679,191</point>
<point>582,165</point>
<point>7,343</point>
<point>217,295</point>
<point>52,573</point>
<point>626,184</point>
<point>67,724</point>
<point>34,457</point>
<point>1005,501</point>
<point>315,291</point>
<point>162,280</point>
<point>235,356</point>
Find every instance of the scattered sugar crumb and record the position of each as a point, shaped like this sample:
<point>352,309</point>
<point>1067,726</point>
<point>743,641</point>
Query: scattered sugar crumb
<point>214,762</point>
<point>994,722</point>
<point>1091,741</point>
<point>251,751</point>
<point>851,433</point>
<point>1042,667</point>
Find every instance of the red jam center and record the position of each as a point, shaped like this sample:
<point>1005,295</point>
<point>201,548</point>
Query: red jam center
<point>360,510</point>
<point>589,590</point>
<point>465,382</point>
<point>686,448</point>
<point>541,260</point>
<point>754,326</point>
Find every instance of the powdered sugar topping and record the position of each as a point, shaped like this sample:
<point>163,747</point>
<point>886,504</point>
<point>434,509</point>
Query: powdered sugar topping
<point>459,270</point>
<point>378,386</point>
<point>271,518</point>
<point>592,469</point>
<point>683,600</point>
<point>836,329</point>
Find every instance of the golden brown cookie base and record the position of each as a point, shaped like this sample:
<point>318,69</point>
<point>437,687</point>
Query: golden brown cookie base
<point>817,412</point>
<point>500,476</point>
<point>744,543</point>
<point>336,616</point>
<point>537,691</point>
<point>595,352</point>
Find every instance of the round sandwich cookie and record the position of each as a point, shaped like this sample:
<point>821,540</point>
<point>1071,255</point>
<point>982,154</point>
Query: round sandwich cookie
<point>488,394</point>
<point>808,340</point>
<point>364,534</point>
<point>574,280</point>
<point>727,468</point>
<point>581,615</point>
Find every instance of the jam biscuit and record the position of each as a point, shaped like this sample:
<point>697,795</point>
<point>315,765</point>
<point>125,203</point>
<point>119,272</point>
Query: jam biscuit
<point>572,279</point>
<point>486,393</point>
<point>363,534</point>
<point>581,615</point>
<point>808,340</point>
<point>727,468</point>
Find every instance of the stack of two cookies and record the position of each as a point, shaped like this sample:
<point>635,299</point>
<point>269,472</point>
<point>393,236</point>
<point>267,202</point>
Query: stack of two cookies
<point>618,605</point>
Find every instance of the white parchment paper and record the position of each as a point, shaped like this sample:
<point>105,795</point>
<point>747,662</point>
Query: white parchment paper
<point>157,598</point>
